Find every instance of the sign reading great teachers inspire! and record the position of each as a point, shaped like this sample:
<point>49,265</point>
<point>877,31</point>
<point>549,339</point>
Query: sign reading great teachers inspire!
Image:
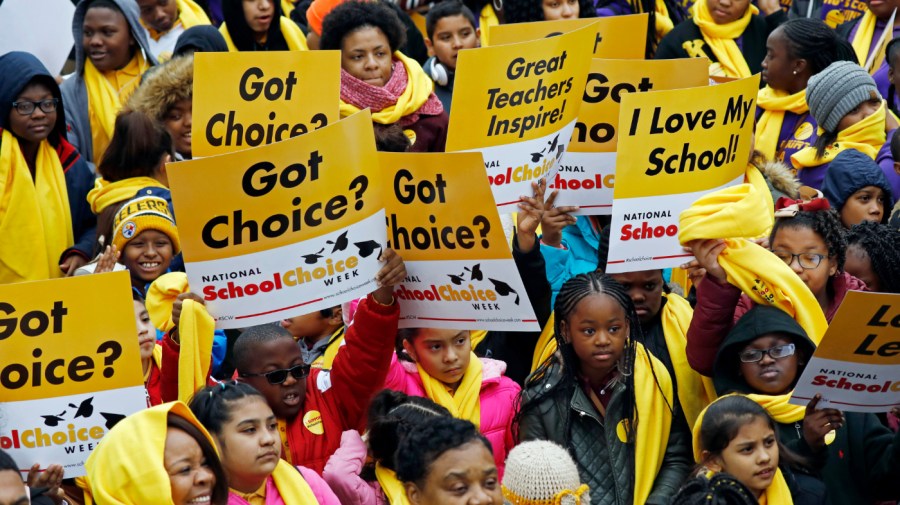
<point>857,364</point>
<point>674,146</point>
<point>283,229</point>
<point>517,105</point>
<point>441,219</point>
<point>247,99</point>
<point>70,367</point>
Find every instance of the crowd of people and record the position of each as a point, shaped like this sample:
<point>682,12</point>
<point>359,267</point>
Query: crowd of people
<point>657,386</point>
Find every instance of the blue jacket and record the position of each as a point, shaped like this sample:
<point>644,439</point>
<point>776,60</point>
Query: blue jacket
<point>579,255</point>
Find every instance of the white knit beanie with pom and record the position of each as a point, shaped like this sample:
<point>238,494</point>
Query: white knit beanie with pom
<point>542,473</point>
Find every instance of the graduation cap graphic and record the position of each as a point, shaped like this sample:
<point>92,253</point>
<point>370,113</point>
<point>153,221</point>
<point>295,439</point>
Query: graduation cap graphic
<point>504,289</point>
<point>536,157</point>
<point>457,279</point>
<point>340,243</point>
<point>111,419</point>
<point>477,275</point>
<point>85,409</point>
<point>312,259</point>
<point>52,420</point>
<point>367,247</point>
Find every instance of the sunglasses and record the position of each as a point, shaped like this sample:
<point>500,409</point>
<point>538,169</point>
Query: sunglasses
<point>278,376</point>
<point>777,352</point>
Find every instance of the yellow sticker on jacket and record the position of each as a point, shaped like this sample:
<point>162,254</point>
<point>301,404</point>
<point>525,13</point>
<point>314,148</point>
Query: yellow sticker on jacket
<point>313,422</point>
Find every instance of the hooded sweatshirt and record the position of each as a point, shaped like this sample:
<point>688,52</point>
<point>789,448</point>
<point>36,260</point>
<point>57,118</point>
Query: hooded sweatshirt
<point>74,89</point>
<point>862,464</point>
<point>18,70</point>
<point>200,39</point>
<point>849,172</point>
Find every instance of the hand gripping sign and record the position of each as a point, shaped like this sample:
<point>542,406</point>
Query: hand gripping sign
<point>283,229</point>
<point>614,37</point>
<point>442,220</point>
<point>70,367</point>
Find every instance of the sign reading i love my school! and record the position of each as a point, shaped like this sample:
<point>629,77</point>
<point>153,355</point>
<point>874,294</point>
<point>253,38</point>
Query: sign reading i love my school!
<point>70,367</point>
<point>517,105</point>
<point>283,229</point>
<point>248,99</point>
<point>674,147</point>
<point>614,37</point>
<point>441,219</point>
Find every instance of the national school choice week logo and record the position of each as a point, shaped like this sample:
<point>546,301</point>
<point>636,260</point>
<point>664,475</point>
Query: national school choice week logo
<point>473,292</point>
<point>331,272</point>
<point>552,152</point>
<point>73,439</point>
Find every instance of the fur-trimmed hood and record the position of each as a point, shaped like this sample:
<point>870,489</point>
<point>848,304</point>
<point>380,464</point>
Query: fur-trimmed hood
<point>781,179</point>
<point>163,87</point>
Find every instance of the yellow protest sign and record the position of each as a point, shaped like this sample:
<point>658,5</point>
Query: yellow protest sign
<point>282,229</point>
<point>673,147</point>
<point>441,219</point>
<point>71,367</point>
<point>519,111</point>
<point>247,99</point>
<point>614,37</point>
<point>586,174</point>
<point>857,364</point>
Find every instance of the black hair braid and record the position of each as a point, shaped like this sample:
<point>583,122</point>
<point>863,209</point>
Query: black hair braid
<point>427,442</point>
<point>392,415</point>
<point>720,489</point>
<point>210,404</point>
<point>818,44</point>
<point>882,243</point>
<point>826,223</point>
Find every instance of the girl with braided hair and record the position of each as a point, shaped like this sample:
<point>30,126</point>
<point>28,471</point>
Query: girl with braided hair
<point>873,256</point>
<point>584,397</point>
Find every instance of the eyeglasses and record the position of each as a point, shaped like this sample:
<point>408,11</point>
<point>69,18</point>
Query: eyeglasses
<point>279,376</point>
<point>26,107</point>
<point>808,261</point>
<point>777,352</point>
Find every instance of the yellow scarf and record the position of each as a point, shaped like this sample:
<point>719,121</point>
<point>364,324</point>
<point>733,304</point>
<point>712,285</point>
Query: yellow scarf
<point>291,485</point>
<point>487,19</point>
<point>663,23</point>
<point>195,330</point>
<point>778,492</point>
<point>866,136</point>
<point>465,403</point>
<point>546,344</point>
<point>294,37</point>
<point>35,220</point>
<point>106,92</point>
<point>694,390</point>
<point>190,14</point>
<point>107,193</point>
<point>418,89</point>
<point>862,41</point>
<point>476,336</point>
<point>326,360</point>
<point>286,7</point>
<point>735,214</point>
<point>774,104</point>
<point>391,485</point>
<point>754,177</point>
<point>721,38</point>
<point>653,408</point>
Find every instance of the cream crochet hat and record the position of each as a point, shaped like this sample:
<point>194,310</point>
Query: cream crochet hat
<point>542,473</point>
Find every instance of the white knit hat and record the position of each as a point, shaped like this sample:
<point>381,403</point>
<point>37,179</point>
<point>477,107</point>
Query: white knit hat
<point>542,473</point>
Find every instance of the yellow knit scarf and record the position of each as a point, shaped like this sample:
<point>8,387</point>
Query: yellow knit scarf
<point>755,178</point>
<point>653,407</point>
<point>487,19</point>
<point>195,330</point>
<point>546,344</point>
<point>862,41</point>
<point>286,7</point>
<point>189,15</point>
<point>775,103</point>
<point>465,403</point>
<point>390,485</point>
<point>721,38</point>
<point>291,485</point>
<point>326,360</point>
<point>663,23</point>
<point>418,89</point>
<point>107,193</point>
<point>35,220</point>
<point>106,92</point>
<point>294,37</point>
<point>866,136</point>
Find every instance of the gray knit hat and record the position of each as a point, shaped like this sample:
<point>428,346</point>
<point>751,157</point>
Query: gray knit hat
<point>837,90</point>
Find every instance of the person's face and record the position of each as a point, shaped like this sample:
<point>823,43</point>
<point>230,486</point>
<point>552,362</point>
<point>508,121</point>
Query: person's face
<point>259,14</point>
<point>859,113</point>
<point>148,255</point>
<point>313,325</point>
<point>106,38</point>
<point>726,11</point>
<point>366,55</point>
<point>285,399</point>
<point>191,477</point>
<point>146,331</point>
<point>779,70</point>
<point>751,457</point>
<point>159,14</point>
<point>859,265</point>
<point>36,127</point>
<point>12,490</point>
<point>465,475</point>
<point>452,34</point>
<point>866,204</point>
<point>769,375</point>
<point>249,443</point>
<point>799,240</point>
<point>645,289</point>
<point>882,8</point>
<point>443,354</point>
<point>178,122</point>
<point>597,329</point>
<point>560,9</point>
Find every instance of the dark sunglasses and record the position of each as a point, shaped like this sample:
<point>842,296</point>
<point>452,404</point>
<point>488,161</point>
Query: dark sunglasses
<point>279,376</point>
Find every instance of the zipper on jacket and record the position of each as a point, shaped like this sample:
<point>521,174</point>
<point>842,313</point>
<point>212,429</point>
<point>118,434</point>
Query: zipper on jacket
<point>798,427</point>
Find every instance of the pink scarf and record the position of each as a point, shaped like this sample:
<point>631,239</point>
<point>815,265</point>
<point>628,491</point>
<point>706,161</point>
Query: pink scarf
<point>363,95</point>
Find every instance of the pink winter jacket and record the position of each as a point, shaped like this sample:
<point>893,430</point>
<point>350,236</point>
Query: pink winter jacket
<point>342,473</point>
<point>323,493</point>
<point>498,398</point>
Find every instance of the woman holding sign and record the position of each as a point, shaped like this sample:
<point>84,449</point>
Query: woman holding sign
<point>258,25</point>
<point>375,75</point>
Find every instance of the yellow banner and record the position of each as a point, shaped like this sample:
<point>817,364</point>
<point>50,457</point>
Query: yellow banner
<point>247,99</point>
<point>622,37</point>
<point>866,330</point>
<point>68,337</point>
